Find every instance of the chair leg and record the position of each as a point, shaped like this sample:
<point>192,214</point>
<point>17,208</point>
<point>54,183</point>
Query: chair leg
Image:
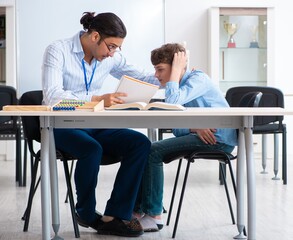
<point>24,162</point>
<point>160,135</point>
<point>284,155</point>
<point>220,173</point>
<point>18,158</point>
<point>32,164</point>
<point>276,156</point>
<point>174,191</point>
<point>181,198</point>
<point>71,200</point>
<point>232,177</point>
<point>227,194</point>
<point>234,187</point>
<point>70,174</point>
<point>264,153</point>
<point>164,210</point>
<point>33,188</point>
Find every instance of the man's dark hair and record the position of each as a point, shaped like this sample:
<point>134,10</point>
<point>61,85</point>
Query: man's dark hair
<point>106,24</point>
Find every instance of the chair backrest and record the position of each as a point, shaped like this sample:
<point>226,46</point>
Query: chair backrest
<point>250,99</point>
<point>271,97</point>
<point>7,97</point>
<point>31,124</point>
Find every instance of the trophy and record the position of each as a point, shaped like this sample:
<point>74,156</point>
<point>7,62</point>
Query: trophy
<point>231,29</point>
<point>254,43</point>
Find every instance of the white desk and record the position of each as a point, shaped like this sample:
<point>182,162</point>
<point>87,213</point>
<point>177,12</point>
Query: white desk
<point>241,118</point>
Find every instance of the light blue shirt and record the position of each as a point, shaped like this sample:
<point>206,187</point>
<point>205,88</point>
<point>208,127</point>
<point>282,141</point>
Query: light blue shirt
<point>63,74</point>
<point>197,90</point>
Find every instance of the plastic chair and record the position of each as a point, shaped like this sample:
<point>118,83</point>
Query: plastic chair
<point>10,128</point>
<point>31,127</point>
<point>251,99</point>
<point>272,97</point>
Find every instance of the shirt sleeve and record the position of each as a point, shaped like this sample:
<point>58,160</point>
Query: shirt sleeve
<point>195,86</point>
<point>180,132</point>
<point>122,67</point>
<point>191,87</point>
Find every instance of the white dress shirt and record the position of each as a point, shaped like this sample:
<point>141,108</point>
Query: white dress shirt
<point>63,75</point>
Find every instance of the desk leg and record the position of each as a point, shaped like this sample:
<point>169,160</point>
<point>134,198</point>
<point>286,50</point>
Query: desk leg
<point>45,181</point>
<point>54,187</point>
<point>152,134</point>
<point>240,185</point>
<point>251,190</point>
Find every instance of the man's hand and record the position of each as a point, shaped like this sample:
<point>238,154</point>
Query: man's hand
<point>206,135</point>
<point>110,98</point>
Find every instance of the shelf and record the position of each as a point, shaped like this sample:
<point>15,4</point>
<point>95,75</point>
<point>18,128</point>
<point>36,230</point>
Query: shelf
<point>243,48</point>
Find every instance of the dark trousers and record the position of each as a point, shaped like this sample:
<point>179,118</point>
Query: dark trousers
<point>88,146</point>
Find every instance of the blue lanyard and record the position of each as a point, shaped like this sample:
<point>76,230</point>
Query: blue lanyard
<point>88,85</point>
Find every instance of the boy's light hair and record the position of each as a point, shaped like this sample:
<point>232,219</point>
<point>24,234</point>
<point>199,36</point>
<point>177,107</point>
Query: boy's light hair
<point>165,53</point>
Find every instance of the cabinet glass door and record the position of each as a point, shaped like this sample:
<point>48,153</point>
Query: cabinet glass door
<point>242,47</point>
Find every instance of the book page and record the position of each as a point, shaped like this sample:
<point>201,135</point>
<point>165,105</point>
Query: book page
<point>137,91</point>
<point>128,106</point>
<point>164,106</point>
<point>146,107</point>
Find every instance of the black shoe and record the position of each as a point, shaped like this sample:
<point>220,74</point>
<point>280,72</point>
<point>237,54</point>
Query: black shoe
<point>119,228</point>
<point>93,224</point>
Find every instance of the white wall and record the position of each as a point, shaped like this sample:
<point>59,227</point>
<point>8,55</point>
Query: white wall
<point>41,21</point>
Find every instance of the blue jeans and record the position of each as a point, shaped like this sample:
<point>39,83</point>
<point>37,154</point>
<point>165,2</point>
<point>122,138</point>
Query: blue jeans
<point>150,198</point>
<point>88,146</point>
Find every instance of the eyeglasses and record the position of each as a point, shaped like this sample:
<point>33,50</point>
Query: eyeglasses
<point>112,48</point>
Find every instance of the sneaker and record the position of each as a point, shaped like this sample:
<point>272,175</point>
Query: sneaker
<point>120,228</point>
<point>150,224</point>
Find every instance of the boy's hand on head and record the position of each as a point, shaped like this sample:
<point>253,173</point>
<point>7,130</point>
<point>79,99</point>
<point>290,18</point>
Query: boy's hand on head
<point>179,61</point>
<point>178,66</point>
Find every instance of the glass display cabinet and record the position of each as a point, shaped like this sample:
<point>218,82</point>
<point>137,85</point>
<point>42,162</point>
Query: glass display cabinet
<point>241,46</point>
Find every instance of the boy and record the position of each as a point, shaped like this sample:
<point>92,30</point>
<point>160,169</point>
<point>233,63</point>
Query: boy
<point>190,89</point>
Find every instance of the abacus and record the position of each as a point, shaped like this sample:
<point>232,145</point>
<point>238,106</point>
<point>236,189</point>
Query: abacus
<point>68,105</point>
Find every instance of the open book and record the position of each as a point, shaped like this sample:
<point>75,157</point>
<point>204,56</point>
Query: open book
<point>137,90</point>
<point>147,106</point>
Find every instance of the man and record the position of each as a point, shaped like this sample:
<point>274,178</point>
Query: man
<point>76,68</point>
